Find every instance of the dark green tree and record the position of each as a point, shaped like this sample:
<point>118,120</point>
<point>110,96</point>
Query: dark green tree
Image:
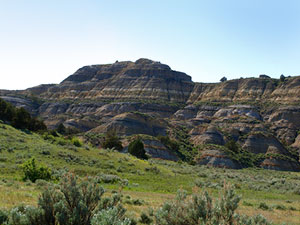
<point>61,129</point>
<point>136,148</point>
<point>232,145</point>
<point>223,79</point>
<point>22,119</point>
<point>112,141</point>
<point>19,117</point>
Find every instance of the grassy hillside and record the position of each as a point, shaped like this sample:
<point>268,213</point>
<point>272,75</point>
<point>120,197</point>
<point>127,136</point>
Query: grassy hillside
<point>144,184</point>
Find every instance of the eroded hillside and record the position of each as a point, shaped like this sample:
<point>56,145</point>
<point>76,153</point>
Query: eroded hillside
<point>232,124</point>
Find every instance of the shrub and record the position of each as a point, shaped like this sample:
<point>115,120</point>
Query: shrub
<point>280,207</point>
<point>202,209</point>
<point>33,172</point>
<point>145,219</point>
<point>231,144</point>
<point>263,206</point>
<point>3,216</point>
<point>61,129</point>
<point>109,216</point>
<point>75,141</point>
<point>112,141</point>
<point>72,203</point>
<point>136,148</point>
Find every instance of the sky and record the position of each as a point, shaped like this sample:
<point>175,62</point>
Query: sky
<point>43,42</point>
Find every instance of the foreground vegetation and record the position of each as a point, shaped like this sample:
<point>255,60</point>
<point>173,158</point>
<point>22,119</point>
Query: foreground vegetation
<point>143,184</point>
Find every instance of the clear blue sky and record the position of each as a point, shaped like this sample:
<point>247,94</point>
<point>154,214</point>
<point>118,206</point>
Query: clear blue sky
<point>45,41</point>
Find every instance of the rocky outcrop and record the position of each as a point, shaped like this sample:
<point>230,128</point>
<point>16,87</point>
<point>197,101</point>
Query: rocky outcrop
<point>280,164</point>
<point>153,147</point>
<point>142,80</point>
<point>263,143</point>
<point>133,123</point>
<point>217,158</point>
<point>210,136</point>
<point>248,90</point>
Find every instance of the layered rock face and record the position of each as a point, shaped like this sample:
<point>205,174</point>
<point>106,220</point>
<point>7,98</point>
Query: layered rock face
<point>140,80</point>
<point>248,90</point>
<point>261,115</point>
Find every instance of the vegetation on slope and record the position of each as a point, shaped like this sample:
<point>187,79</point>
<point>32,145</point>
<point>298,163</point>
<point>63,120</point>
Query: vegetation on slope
<point>145,183</point>
<point>19,117</point>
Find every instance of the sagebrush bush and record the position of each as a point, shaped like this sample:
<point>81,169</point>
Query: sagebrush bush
<point>3,216</point>
<point>109,216</point>
<point>71,203</point>
<point>145,219</point>
<point>203,210</point>
<point>32,171</point>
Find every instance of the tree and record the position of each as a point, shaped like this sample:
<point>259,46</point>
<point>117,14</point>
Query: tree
<point>19,117</point>
<point>61,129</point>
<point>232,145</point>
<point>282,78</point>
<point>136,148</point>
<point>223,79</point>
<point>112,141</point>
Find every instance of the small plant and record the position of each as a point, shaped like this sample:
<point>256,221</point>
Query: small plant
<point>109,216</point>
<point>280,207</point>
<point>263,206</point>
<point>145,219</point>
<point>75,141</point>
<point>33,172</point>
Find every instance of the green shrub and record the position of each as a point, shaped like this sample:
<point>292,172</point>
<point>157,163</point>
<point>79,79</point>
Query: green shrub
<point>202,210</point>
<point>145,219</point>
<point>263,206</point>
<point>136,148</point>
<point>75,141</point>
<point>3,216</point>
<point>61,129</point>
<point>112,141</point>
<point>280,207</point>
<point>232,145</point>
<point>110,216</point>
<point>72,203</point>
<point>33,172</point>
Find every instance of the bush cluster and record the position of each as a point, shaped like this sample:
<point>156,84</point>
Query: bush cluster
<point>32,171</point>
<point>19,117</point>
<point>70,203</point>
<point>203,210</point>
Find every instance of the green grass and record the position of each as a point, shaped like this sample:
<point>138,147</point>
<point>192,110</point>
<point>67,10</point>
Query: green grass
<point>153,181</point>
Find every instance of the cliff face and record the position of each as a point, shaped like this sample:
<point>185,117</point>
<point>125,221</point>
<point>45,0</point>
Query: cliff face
<point>141,80</point>
<point>261,115</point>
<point>248,90</point>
